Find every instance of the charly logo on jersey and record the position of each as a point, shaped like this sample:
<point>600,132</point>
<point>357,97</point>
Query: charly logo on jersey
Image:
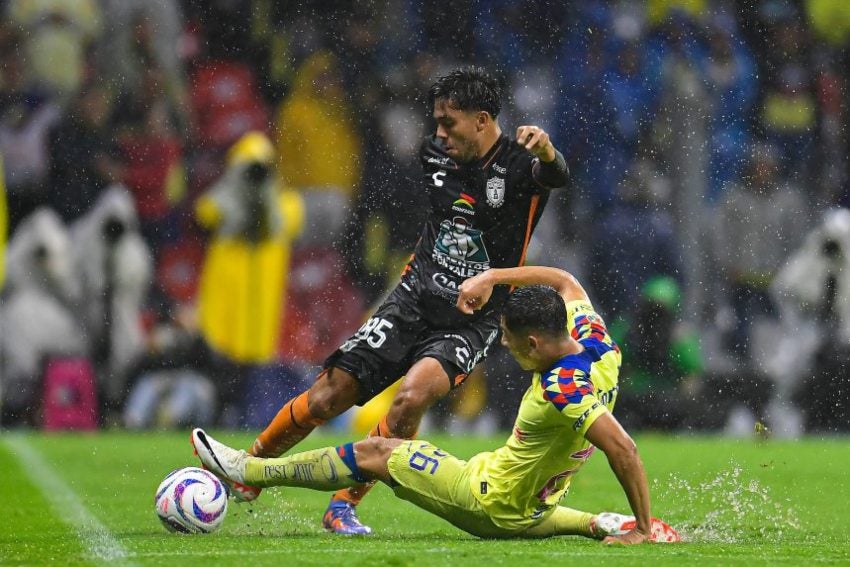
<point>495,191</point>
<point>466,204</point>
<point>460,248</point>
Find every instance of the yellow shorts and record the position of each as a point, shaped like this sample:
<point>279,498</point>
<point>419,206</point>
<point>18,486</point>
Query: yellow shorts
<point>438,482</point>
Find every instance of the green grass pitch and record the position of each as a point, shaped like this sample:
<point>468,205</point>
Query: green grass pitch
<point>77,499</point>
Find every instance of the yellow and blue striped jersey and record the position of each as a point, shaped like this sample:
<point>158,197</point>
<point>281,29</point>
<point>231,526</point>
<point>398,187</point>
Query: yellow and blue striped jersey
<point>519,482</point>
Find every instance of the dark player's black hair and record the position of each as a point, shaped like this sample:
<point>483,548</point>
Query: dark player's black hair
<point>535,308</point>
<point>470,88</point>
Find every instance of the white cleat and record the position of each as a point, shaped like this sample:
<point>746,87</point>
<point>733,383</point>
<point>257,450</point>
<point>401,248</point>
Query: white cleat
<point>218,458</point>
<point>613,524</point>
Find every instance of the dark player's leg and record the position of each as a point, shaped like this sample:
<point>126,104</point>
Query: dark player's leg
<point>424,384</point>
<point>333,392</point>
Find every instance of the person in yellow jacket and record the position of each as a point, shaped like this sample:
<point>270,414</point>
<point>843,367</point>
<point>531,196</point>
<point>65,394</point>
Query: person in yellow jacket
<point>243,283</point>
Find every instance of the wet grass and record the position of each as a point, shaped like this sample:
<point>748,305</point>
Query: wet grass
<point>736,502</point>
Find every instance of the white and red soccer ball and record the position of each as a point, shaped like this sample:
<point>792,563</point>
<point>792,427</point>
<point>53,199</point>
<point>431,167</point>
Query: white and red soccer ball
<point>191,501</point>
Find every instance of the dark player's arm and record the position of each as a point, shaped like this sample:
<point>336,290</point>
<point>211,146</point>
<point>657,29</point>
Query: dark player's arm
<point>476,291</point>
<point>551,174</point>
<point>607,434</point>
<point>550,168</point>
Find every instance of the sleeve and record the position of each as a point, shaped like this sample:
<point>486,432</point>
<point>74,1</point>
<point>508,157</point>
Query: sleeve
<point>573,395</point>
<point>585,323</point>
<point>553,174</point>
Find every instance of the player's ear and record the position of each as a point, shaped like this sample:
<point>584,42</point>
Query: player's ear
<point>482,119</point>
<point>533,343</point>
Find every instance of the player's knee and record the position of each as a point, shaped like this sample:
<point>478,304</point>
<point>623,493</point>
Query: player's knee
<point>412,401</point>
<point>375,448</point>
<point>329,399</point>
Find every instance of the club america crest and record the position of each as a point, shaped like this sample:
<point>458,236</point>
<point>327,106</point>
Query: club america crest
<point>495,191</point>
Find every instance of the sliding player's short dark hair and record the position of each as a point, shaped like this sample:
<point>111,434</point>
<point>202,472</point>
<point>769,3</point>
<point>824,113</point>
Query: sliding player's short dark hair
<point>470,88</point>
<point>536,308</point>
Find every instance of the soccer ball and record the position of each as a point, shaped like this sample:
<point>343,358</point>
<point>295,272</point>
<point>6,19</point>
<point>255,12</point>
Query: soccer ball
<point>191,501</point>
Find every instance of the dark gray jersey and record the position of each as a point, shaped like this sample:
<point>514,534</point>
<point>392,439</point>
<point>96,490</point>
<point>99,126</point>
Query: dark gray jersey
<point>482,215</point>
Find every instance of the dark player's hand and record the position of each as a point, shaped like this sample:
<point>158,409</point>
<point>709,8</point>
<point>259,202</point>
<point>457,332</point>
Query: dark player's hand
<point>536,140</point>
<point>474,293</point>
<point>633,537</point>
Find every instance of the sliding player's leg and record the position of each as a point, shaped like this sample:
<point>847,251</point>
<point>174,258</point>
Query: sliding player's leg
<point>567,521</point>
<point>333,392</point>
<point>328,468</point>
<point>424,384</point>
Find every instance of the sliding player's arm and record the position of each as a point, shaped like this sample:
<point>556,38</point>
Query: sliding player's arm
<point>607,434</point>
<point>476,291</point>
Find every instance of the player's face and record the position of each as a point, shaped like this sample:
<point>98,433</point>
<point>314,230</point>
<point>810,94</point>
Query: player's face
<point>459,130</point>
<point>519,347</point>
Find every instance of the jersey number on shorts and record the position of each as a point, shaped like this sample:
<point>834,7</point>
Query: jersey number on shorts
<point>373,332</point>
<point>420,461</point>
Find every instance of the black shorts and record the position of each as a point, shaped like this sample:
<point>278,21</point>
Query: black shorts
<point>399,334</point>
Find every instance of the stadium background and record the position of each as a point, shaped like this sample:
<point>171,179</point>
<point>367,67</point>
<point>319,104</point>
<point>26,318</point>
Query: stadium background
<point>707,142</point>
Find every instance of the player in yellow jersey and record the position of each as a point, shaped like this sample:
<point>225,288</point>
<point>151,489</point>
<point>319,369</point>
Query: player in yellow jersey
<point>550,327</point>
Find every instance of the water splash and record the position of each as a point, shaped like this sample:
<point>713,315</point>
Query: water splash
<point>728,508</point>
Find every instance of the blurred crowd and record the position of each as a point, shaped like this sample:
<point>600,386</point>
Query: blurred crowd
<point>205,197</point>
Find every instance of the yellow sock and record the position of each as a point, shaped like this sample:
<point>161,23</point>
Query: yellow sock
<point>329,468</point>
<point>563,521</point>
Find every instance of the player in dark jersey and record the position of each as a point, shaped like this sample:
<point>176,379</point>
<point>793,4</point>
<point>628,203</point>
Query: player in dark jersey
<point>487,192</point>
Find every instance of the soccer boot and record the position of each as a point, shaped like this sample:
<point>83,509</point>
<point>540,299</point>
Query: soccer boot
<point>341,518</point>
<point>240,492</point>
<point>612,524</point>
<point>226,463</point>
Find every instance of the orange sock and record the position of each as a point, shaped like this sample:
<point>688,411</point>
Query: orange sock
<point>292,423</point>
<point>355,494</point>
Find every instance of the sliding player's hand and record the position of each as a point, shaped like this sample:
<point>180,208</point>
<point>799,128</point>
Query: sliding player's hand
<point>536,140</point>
<point>474,293</point>
<point>633,537</point>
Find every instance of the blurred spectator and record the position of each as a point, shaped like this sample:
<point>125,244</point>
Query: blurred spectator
<point>662,361</point>
<point>4,229</point>
<point>319,147</point>
<point>658,10</point>
<point>635,239</point>
<point>789,117</point>
<point>37,311</point>
<point>152,152</point>
<point>83,153</point>
<point>732,81</point>
<point>57,35</point>
<point>26,116</point>
<point>243,284</point>
<point>140,35</point>
<point>813,294</point>
<point>760,222</point>
<point>681,133</point>
<point>788,111</point>
<point>511,35</point>
<point>630,90</point>
<point>170,386</point>
<point>224,98</point>
<point>829,21</point>
<point>115,268</point>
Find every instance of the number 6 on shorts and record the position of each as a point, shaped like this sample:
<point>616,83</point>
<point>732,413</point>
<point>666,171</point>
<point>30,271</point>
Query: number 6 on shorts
<point>420,462</point>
